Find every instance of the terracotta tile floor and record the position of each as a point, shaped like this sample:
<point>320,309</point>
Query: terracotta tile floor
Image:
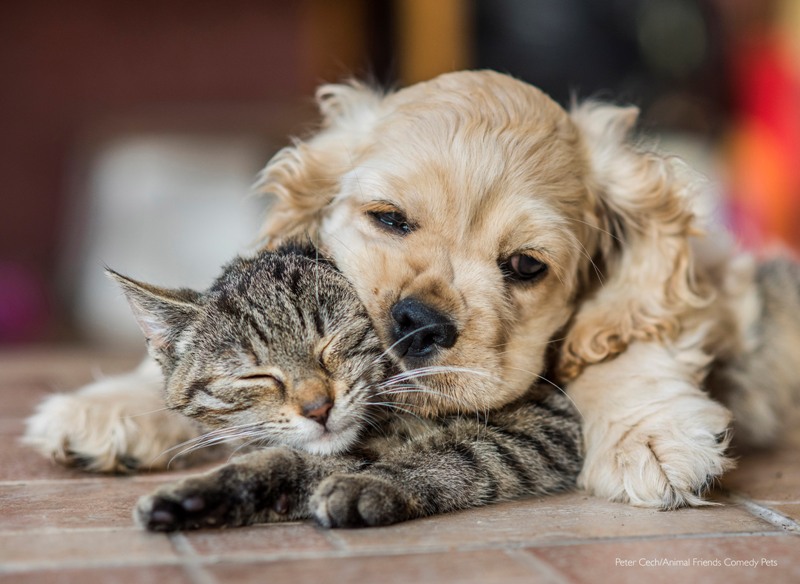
<point>58,525</point>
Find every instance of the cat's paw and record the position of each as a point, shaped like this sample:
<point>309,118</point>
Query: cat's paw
<point>254,488</point>
<point>665,460</point>
<point>358,501</point>
<point>193,503</point>
<point>116,425</point>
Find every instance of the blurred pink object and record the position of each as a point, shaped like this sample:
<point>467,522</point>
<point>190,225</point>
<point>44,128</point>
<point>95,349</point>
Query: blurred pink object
<point>23,306</point>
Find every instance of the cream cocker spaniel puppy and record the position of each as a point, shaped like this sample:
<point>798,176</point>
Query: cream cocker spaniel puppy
<point>502,240</point>
<point>525,241</point>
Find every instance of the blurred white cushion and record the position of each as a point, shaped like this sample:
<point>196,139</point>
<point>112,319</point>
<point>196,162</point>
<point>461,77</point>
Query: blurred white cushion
<point>165,209</point>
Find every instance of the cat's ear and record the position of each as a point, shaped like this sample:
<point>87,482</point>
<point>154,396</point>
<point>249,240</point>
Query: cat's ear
<point>162,313</point>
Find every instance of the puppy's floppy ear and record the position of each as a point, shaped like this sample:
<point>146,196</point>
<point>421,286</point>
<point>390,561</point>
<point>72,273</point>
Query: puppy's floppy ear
<point>304,177</point>
<point>642,204</point>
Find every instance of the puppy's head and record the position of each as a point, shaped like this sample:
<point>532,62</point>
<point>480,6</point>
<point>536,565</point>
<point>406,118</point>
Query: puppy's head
<point>475,220</point>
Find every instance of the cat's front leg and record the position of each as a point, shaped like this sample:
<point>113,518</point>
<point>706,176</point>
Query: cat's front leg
<point>532,447</point>
<point>264,486</point>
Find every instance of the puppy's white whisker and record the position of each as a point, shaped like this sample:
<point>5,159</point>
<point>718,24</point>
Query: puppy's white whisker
<point>397,389</point>
<point>558,387</point>
<point>393,406</point>
<point>598,228</point>
<point>400,340</point>
<point>426,391</point>
<point>150,412</point>
<point>342,244</point>
<point>597,271</point>
<point>434,370</point>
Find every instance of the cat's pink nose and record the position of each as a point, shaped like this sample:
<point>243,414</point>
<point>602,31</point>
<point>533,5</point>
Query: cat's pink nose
<point>318,410</point>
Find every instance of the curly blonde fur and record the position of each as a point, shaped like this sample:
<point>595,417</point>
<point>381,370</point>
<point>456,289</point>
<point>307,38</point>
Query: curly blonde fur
<point>645,206</point>
<point>638,315</point>
<point>642,315</point>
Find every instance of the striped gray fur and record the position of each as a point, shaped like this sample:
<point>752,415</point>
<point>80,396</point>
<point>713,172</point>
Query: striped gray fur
<point>280,354</point>
<point>760,383</point>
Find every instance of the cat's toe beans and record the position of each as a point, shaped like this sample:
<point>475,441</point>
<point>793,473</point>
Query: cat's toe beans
<point>178,509</point>
<point>357,501</point>
<point>157,514</point>
<point>163,518</point>
<point>331,506</point>
<point>193,503</point>
<point>381,507</point>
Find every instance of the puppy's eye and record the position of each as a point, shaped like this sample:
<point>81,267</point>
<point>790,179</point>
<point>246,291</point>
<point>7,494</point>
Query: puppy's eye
<point>393,221</point>
<point>523,268</point>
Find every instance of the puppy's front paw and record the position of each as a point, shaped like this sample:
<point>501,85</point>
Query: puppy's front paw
<point>667,459</point>
<point>358,501</point>
<point>107,431</point>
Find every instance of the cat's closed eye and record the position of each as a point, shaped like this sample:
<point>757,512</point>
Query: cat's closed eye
<point>261,377</point>
<point>327,353</point>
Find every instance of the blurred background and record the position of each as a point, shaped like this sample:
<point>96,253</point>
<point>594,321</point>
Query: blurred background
<point>130,132</point>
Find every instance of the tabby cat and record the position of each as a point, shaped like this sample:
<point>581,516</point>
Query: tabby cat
<point>279,352</point>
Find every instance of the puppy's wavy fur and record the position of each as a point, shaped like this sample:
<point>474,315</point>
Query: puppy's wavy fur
<point>644,315</point>
<point>638,315</point>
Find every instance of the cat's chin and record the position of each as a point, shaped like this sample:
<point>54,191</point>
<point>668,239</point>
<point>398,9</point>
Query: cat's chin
<point>327,442</point>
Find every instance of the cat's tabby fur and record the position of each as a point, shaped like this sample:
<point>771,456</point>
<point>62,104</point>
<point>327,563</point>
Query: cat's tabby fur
<point>279,352</point>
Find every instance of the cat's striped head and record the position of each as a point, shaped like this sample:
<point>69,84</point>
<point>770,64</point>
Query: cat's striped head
<point>278,351</point>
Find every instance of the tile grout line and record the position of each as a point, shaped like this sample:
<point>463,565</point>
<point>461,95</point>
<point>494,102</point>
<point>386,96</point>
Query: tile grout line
<point>190,557</point>
<point>340,545</point>
<point>333,538</point>
<point>65,480</point>
<point>65,530</point>
<point>88,478</point>
<point>765,513</point>
<point>541,568</point>
<point>11,567</point>
<point>194,563</point>
<point>346,551</point>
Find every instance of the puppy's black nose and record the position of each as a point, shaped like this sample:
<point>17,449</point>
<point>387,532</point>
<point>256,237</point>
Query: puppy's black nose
<point>420,330</point>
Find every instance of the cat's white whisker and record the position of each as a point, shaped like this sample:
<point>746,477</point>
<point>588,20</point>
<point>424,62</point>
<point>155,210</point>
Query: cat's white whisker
<point>213,442</point>
<point>248,443</point>
<point>212,438</point>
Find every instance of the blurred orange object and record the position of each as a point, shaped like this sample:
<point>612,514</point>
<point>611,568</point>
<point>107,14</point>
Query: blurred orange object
<point>765,147</point>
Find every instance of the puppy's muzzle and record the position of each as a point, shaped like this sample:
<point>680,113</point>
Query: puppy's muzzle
<point>419,330</point>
